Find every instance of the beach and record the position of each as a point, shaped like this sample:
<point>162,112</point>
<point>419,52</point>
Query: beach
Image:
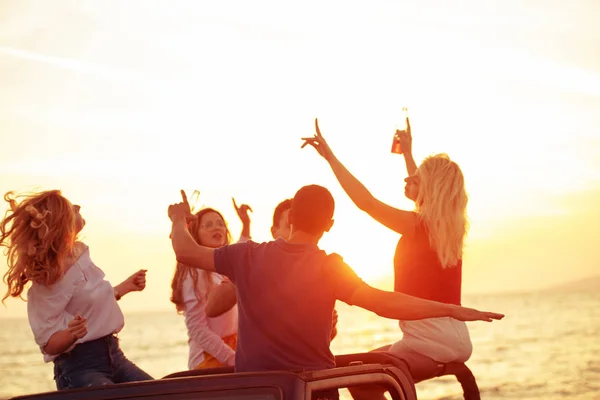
<point>546,347</point>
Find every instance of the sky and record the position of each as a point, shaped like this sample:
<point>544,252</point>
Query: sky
<point>121,104</point>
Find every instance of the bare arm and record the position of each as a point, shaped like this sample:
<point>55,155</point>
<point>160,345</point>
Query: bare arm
<point>221,299</point>
<point>397,220</point>
<point>400,221</point>
<point>334,321</point>
<point>411,166</point>
<point>187,251</point>
<point>134,283</point>
<point>395,305</point>
<point>242,212</point>
<point>245,231</point>
<point>59,342</point>
<point>406,144</point>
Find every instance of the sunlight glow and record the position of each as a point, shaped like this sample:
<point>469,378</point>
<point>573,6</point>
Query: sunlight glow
<point>128,102</point>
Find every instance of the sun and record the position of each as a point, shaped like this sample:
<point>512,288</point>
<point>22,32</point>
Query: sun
<point>370,255</point>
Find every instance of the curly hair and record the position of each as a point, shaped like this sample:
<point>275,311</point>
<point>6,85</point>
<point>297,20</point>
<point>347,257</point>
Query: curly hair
<point>38,233</point>
<point>182,270</point>
<point>442,206</point>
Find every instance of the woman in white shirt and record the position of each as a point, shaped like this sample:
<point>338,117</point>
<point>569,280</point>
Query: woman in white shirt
<point>72,309</point>
<point>212,341</point>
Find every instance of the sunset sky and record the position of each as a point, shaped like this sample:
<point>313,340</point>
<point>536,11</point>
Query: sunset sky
<point>121,104</point>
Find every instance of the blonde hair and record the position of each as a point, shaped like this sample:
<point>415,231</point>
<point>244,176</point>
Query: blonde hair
<point>38,233</point>
<point>442,206</point>
<point>182,270</point>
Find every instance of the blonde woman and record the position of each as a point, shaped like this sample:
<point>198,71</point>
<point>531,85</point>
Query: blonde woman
<point>212,341</point>
<point>428,259</point>
<point>72,309</point>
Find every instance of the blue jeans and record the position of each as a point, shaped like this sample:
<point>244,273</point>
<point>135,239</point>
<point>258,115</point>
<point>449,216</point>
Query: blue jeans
<point>94,363</point>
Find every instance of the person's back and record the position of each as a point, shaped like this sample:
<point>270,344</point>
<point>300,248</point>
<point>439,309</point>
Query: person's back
<point>286,295</point>
<point>418,272</point>
<point>286,310</point>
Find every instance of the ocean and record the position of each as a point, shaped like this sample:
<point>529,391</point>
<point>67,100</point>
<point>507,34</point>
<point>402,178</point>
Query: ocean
<point>547,347</point>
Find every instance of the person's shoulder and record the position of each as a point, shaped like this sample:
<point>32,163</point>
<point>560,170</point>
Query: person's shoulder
<point>249,246</point>
<point>62,288</point>
<point>269,244</point>
<point>246,243</point>
<point>334,258</point>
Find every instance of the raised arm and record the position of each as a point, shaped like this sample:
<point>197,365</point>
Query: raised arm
<point>400,221</point>
<point>395,305</point>
<point>406,145</point>
<point>187,251</point>
<point>242,212</point>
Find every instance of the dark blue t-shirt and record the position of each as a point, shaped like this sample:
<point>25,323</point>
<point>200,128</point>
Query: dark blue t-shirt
<point>286,294</point>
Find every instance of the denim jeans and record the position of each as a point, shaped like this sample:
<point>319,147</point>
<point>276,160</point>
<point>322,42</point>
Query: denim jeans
<point>98,362</point>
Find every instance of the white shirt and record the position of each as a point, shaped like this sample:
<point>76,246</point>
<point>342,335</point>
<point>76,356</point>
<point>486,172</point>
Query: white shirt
<point>205,334</point>
<point>81,291</point>
<point>442,339</point>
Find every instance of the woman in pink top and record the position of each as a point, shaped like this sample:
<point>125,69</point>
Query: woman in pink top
<point>72,309</point>
<point>212,341</point>
<point>428,259</point>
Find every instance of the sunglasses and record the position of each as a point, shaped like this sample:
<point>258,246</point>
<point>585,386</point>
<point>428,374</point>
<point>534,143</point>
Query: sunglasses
<point>210,224</point>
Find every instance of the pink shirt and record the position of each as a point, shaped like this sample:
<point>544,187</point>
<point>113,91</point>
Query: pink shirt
<point>81,291</point>
<point>205,334</point>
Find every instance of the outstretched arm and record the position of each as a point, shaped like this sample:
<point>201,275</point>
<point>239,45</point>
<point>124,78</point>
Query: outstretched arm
<point>187,251</point>
<point>395,305</point>
<point>400,221</point>
<point>352,290</point>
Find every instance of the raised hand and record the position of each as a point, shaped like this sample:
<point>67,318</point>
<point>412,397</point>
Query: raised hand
<point>405,139</point>
<point>470,314</point>
<point>319,143</point>
<point>77,327</point>
<point>180,210</point>
<point>242,212</point>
